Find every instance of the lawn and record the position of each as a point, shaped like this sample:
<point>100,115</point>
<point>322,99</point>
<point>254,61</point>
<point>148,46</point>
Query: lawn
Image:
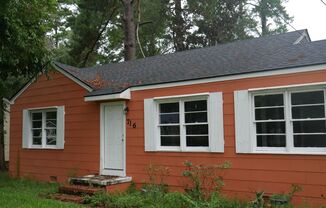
<point>25,193</point>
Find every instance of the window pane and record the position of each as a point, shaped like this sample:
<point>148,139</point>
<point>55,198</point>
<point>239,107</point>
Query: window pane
<point>51,115</point>
<point>51,123</point>
<point>197,129</point>
<point>196,117</point>
<point>197,141</point>
<point>307,97</point>
<point>308,112</point>
<point>269,100</point>
<point>37,133</point>
<point>36,116</point>
<point>200,105</point>
<point>170,141</point>
<point>169,107</point>
<point>309,126</point>
<point>270,127</point>
<point>37,124</point>
<point>51,140</point>
<point>310,140</point>
<point>51,132</point>
<point>269,113</point>
<point>37,141</point>
<point>271,141</point>
<point>170,130</point>
<point>169,118</point>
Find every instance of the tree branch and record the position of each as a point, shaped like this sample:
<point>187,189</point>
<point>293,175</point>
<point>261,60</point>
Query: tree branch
<point>98,37</point>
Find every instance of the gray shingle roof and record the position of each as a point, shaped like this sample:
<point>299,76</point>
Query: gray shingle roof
<point>259,54</point>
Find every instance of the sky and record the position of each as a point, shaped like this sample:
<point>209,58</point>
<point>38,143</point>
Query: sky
<point>308,14</point>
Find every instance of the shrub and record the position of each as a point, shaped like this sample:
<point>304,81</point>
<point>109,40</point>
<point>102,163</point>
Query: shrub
<point>204,180</point>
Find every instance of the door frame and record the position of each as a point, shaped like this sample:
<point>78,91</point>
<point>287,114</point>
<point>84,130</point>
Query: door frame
<point>103,118</point>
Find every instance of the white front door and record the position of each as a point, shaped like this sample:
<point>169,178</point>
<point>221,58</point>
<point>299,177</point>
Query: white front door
<point>113,139</point>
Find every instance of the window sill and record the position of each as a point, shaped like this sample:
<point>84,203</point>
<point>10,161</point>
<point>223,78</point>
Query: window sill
<point>204,150</point>
<point>288,153</point>
<point>43,148</point>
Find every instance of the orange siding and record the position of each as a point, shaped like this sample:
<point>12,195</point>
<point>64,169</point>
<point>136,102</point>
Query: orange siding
<point>82,131</point>
<point>249,172</point>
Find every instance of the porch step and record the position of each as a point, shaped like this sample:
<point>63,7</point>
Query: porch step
<point>79,190</point>
<point>98,180</point>
<point>67,198</point>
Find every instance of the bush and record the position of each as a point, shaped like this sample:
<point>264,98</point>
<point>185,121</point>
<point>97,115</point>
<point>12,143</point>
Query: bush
<point>204,180</point>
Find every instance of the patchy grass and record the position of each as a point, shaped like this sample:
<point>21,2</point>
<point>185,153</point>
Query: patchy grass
<point>21,193</point>
<point>156,198</point>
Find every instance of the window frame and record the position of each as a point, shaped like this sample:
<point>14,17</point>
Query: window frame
<point>181,100</point>
<point>289,135</point>
<point>44,144</point>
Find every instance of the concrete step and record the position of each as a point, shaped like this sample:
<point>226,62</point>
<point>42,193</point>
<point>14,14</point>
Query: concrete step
<point>67,198</point>
<point>79,190</point>
<point>99,180</point>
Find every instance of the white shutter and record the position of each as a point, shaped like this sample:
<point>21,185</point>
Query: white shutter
<point>149,125</point>
<point>60,127</point>
<point>216,128</point>
<point>242,121</point>
<point>26,129</point>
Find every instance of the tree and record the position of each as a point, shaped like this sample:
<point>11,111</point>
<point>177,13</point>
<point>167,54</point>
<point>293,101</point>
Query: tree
<point>88,31</point>
<point>270,15</point>
<point>24,47</point>
<point>152,23</point>
<point>217,21</point>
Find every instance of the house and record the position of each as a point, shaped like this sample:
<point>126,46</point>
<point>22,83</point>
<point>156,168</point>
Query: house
<point>258,103</point>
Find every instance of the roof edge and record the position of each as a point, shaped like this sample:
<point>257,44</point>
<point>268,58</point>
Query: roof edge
<point>72,77</point>
<point>270,72</point>
<point>59,69</point>
<point>22,89</point>
<point>253,74</point>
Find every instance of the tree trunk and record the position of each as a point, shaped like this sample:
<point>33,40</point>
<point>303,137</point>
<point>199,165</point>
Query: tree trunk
<point>129,30</point>
<point>263,18</point>
<point>179,27</point>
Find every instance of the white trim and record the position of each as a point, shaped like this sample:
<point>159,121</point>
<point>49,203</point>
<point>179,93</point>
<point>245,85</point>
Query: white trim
<point>125,95</point>
<point>41,108</point>
<point>234,77</point>
<point>88,88</point>
<point>191,96</point>
<point>102,140</point>
<point>214,108</point>
<point>214,79</point>
<point>27,133</point>
<point>286,91</point>
<point>6,101</point>
<point>285,87</point>
<point>303,35</point>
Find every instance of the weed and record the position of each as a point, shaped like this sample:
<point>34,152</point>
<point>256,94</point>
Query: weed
<point>204,180</point>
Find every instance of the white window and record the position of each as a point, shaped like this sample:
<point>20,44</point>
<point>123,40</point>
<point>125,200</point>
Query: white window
<point>291,120</point>
<point>185,123</point>
<point>43,128</point>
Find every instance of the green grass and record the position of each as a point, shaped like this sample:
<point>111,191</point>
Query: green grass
<point>155,198</point>
<point>21,193</point>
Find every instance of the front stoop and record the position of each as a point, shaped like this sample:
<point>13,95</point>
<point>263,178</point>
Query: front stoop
<point>98,180</point>
<point>67,198</point>
<point>79,190</point>
<point>80,187</point>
